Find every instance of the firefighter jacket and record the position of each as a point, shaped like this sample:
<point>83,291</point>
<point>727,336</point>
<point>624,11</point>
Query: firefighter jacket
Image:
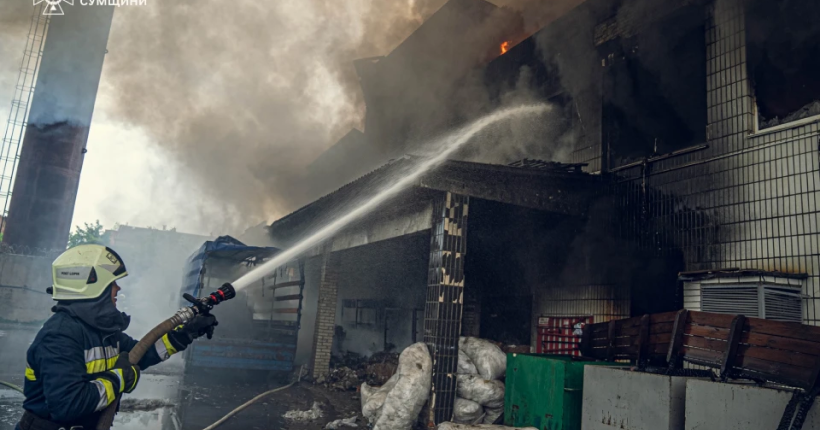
<point>79,341</point>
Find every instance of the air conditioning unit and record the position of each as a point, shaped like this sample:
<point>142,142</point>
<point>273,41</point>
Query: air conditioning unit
<point>768,295</point>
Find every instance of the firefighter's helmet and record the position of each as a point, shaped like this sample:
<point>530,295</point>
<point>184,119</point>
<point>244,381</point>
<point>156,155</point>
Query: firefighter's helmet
<point>85,271</point>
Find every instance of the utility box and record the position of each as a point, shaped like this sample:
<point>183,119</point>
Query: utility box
<point>545,391</point>
<point>715,405</point>
<point>623,399</point>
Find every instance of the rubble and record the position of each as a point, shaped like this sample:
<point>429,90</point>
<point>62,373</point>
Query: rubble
<point>315,412</point>
<point>342,422</point>
<point>349,370</point>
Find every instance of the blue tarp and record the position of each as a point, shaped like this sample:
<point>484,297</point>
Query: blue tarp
<point>225,248</point>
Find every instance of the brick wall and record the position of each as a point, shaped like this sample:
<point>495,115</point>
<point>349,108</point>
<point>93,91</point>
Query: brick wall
<point>325,314</point>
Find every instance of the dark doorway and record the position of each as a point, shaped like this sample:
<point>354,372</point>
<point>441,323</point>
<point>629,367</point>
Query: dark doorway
<point>507,319</point>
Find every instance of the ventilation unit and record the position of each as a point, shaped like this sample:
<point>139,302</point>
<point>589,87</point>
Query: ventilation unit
<point>769,295</point>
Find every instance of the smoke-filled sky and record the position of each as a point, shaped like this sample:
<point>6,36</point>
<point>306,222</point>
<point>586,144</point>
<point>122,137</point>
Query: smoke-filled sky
<point>209,110</point>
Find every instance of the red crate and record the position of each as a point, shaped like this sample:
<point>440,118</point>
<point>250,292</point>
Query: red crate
<point>561,335</point>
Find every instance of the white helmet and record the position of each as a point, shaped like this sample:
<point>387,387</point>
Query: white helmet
<point>85,271</point>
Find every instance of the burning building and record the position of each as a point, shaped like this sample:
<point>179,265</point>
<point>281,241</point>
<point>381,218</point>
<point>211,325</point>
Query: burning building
<point>688,146</point>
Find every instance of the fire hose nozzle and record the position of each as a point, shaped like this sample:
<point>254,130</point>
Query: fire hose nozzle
<point>225,292</point>
<point>205,304</point>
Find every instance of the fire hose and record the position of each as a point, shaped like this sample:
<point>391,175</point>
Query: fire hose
<point>12,386</point>
<point>200,306</point>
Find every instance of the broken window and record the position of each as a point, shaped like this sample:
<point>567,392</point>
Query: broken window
<point>654,88</point>
<point>349,311</point>
<point>360,312</point>
<point>783,58</point>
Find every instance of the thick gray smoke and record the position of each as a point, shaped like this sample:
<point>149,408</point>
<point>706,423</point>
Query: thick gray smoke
<point>245,95</point>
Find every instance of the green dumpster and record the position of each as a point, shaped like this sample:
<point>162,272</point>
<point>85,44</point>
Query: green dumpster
<point>545,391</point>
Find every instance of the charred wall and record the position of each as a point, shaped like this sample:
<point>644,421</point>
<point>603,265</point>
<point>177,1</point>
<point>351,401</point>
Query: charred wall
<point>380,286</point>
<point>523,264</point>
<point>681,123</point>
<point>748,198</point>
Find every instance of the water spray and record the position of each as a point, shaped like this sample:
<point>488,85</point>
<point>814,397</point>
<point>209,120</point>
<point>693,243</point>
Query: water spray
<point>444,146</point>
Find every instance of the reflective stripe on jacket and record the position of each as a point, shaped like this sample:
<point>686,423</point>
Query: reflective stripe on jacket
<point>62,361</point>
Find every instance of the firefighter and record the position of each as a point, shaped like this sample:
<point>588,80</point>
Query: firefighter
<point>78,362</point>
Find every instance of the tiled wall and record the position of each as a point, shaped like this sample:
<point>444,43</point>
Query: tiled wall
<point>750,200</point>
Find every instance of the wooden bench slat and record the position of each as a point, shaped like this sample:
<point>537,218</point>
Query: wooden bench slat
<point>711,319</point>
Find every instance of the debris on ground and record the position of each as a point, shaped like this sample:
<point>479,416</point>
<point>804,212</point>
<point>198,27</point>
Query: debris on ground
<point>314,413</point>
<point>349,370</point>
<point>341,423</point>
<point>342,378</point>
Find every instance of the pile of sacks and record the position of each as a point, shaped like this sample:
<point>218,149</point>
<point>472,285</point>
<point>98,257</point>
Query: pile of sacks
<point>396,405</point>
<point>480,393</point>
<point>479,390</point>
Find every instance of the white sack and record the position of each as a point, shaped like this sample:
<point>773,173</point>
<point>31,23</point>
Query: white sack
<point>467,411</point>
<point>454,426</point>
<point>490,361</point>
<point>489,394</point>
<point>465,365</point>
<point>492,414</point>
<point>373,398</point>
<point>404,402</point>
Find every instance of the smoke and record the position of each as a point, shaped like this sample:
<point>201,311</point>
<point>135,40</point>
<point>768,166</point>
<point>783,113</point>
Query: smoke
<point>243,95</point>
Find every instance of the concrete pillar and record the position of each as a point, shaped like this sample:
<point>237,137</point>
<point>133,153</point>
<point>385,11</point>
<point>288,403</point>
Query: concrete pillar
<point>51,157</point>
<point>445,301</point>
<point>325,314</point>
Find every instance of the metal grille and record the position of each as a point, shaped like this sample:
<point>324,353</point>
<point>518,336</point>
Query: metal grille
<point>731,299</point>
<point>444,303</point>
<point>18,115</point>
<point>603,302</point>
<point>783,305</point>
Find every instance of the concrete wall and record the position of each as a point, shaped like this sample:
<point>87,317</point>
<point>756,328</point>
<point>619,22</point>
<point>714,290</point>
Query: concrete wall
<point>711,405</point>
<point>620,399</point>
<point>23,282</point>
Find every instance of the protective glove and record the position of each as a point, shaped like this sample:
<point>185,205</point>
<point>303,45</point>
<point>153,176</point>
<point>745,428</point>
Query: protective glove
<point>124,376</point>
<point>185,334</point>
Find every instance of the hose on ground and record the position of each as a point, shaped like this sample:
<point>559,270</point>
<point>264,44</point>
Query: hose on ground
<point>252,401</point>
<point>12,386</point>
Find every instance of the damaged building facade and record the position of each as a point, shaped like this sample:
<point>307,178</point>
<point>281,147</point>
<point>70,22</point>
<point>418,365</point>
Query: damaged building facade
<point>687,140</point>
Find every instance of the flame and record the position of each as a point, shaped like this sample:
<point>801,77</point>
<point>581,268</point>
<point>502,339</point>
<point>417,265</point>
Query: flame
<point>505,47</point>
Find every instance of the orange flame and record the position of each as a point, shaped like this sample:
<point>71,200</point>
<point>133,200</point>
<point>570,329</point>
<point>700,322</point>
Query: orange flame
<point>505,47</point>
